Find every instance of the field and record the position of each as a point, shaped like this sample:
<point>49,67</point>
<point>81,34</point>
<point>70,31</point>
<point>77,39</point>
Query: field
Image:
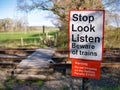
<point>22,39</point>
<point>36,38</point>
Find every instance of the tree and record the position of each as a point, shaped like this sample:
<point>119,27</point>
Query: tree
<point>117,20</point>
<point>112,5</point>
<point>9,24</point>
<point>59,7</point>
<point>6,24</point>
<point>112,8</point>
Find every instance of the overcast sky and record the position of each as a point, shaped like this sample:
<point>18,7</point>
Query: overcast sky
<point>35,18</point>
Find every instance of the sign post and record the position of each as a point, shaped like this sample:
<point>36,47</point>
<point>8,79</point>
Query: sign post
<point>85,84</point>
<point>86,34</point>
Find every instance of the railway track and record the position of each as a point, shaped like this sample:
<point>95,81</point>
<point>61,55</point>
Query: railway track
<point>11,57</point>
<point>110,55</point>
<point>17,51</point>
<point>111,58</point>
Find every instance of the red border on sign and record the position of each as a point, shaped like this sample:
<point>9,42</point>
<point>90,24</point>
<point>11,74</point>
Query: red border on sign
<point>102,35</point>
<point>69,35</point>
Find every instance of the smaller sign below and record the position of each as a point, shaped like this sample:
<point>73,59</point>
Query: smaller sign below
<point>86,69</point>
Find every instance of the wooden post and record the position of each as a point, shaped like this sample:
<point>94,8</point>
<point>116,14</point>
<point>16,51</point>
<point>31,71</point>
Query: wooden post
<point>43,29</point>
<point>22,42</point>
<point>55,39</point>
<point>46,39</point>
<point>64,69</point>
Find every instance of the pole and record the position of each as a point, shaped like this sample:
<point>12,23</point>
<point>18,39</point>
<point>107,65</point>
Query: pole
<point>85,84</point>
<point>22,42</point>
<point>43,29</point>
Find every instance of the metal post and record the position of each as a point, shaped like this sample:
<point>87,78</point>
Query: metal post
<point>85,84</point>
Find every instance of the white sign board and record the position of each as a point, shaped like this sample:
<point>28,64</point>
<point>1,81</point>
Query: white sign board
<point>86,34</point>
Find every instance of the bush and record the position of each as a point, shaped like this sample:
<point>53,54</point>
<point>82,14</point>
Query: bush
<point>62,41</point>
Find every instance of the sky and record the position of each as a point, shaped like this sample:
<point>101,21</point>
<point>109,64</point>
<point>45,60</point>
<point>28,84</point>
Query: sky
<point>35,18</point>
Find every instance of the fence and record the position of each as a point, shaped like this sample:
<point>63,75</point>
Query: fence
<point>28,40</point>
<point>35,36</point>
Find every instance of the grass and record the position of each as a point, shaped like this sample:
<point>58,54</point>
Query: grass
<point>37,82</point>
<point>30,34</point>
<point>6,36</point>
<point>8,39</point>
<point>110,88</point>
<point>9,79</point>
<point>32,39</point>
<point>11,83</point>
<point>2,86</point>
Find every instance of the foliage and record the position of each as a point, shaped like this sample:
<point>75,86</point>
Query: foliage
<point>53,32</point>
<point>112,38</point>
<point>8,24</point>
<point>9,79</point>
<point>59,8</point>
<point>64,88</point>
<point>8,88</point>
<point>62,41</point>
<point>19,81</point>
<point>36,82</point>
<point>2,86</point>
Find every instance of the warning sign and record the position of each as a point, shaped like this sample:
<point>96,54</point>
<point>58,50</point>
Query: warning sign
<point>86,34</point>
<point>86,69</point>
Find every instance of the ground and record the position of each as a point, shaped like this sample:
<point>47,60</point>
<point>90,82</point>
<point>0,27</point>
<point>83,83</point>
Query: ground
<point>109,81</point>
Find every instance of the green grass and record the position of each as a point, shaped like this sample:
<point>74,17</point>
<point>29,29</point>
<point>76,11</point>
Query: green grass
<point>37,82</point>
<point>13,39</point>
<point>53,32</point>
<point>5,36</point>
<point>18,35</point>
<point>9,79</point>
